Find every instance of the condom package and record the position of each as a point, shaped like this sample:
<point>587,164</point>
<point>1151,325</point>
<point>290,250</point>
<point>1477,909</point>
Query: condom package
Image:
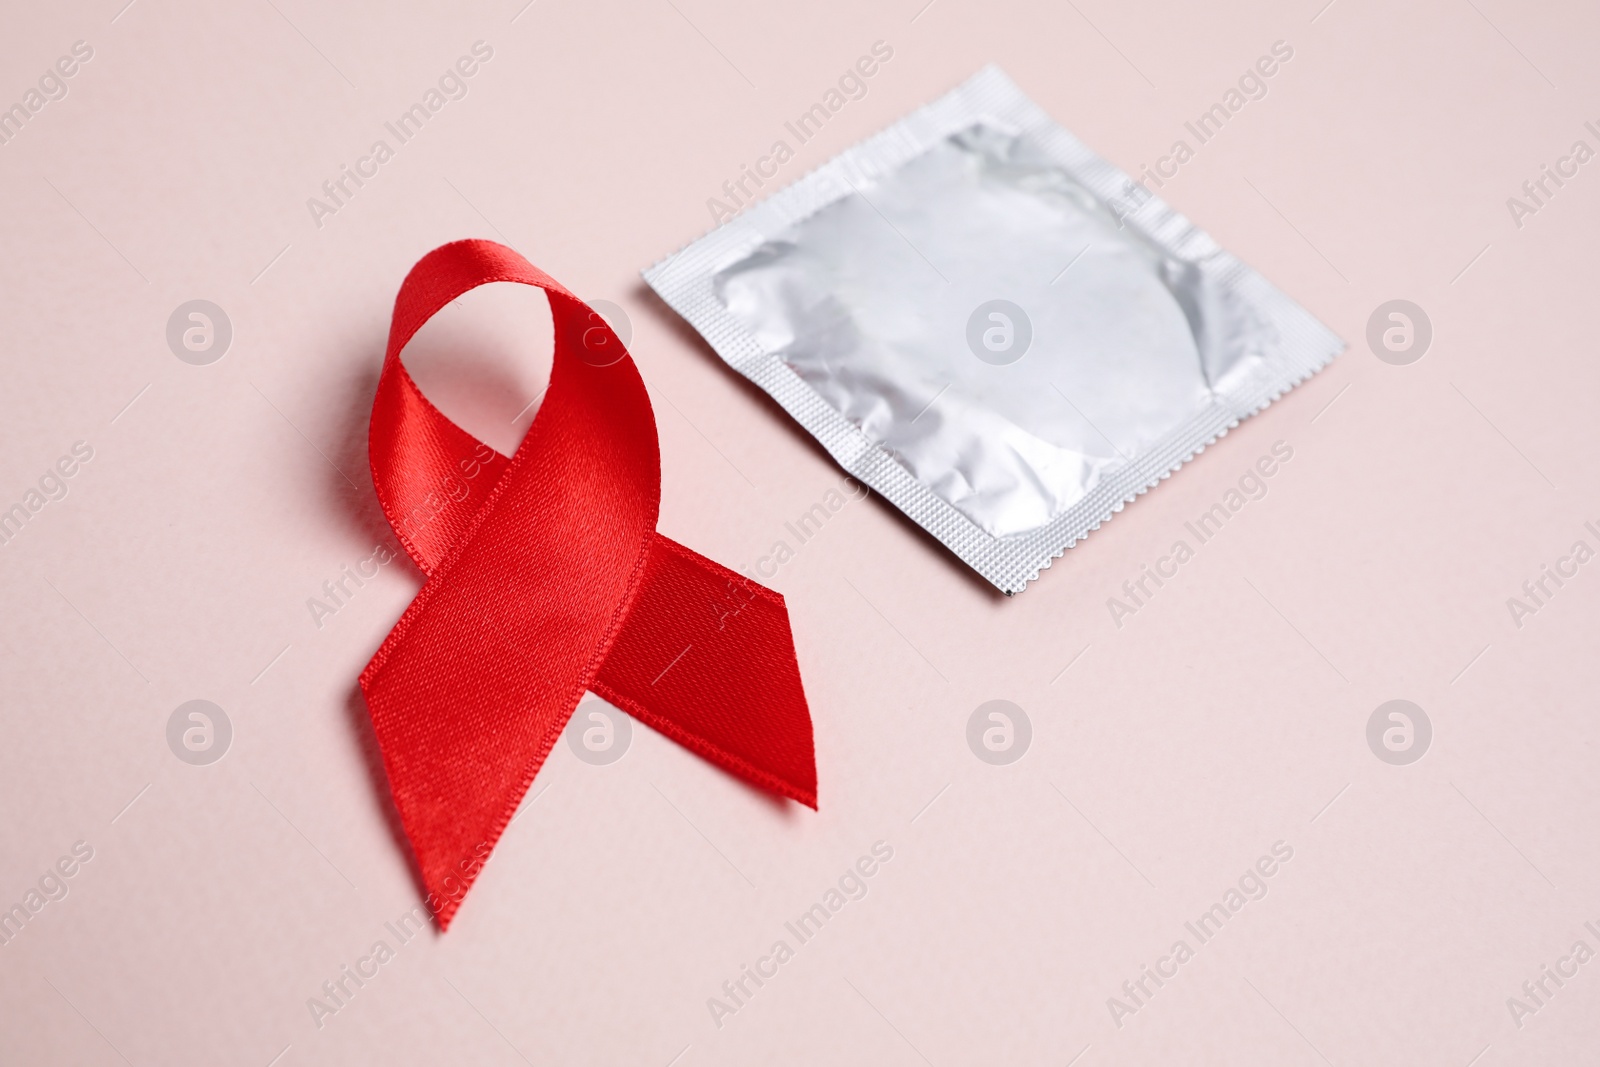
<point>993,327</point>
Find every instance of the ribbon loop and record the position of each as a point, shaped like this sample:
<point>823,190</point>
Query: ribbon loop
<point>547,581</point>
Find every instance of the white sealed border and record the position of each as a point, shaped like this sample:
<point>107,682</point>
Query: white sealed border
<point>1304,345</point>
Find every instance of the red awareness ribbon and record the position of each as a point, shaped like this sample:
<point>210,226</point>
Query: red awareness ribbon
<point>552,583</point>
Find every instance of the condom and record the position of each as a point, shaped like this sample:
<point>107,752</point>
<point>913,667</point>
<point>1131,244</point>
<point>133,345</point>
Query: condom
<point>998,331</point>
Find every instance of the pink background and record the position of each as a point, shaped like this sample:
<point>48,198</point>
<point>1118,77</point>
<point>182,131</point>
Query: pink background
<point>1172,753</point>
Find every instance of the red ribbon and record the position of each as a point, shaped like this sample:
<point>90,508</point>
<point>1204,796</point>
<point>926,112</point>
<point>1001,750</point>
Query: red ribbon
<point>554,583</point>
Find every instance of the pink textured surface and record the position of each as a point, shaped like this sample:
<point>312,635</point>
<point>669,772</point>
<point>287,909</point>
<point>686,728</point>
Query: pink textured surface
<point>1167,756</point>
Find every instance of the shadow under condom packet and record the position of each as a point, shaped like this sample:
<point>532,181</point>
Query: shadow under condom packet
<point>996,329</point>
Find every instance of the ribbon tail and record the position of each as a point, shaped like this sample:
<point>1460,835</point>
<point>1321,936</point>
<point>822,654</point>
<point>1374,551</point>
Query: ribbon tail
<point>706,657</point>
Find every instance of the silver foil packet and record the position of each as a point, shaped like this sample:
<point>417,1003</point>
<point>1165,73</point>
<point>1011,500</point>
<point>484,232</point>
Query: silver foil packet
<point>992,326</point>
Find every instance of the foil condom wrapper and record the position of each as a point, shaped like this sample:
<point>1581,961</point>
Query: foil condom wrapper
<point>991,326</point>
